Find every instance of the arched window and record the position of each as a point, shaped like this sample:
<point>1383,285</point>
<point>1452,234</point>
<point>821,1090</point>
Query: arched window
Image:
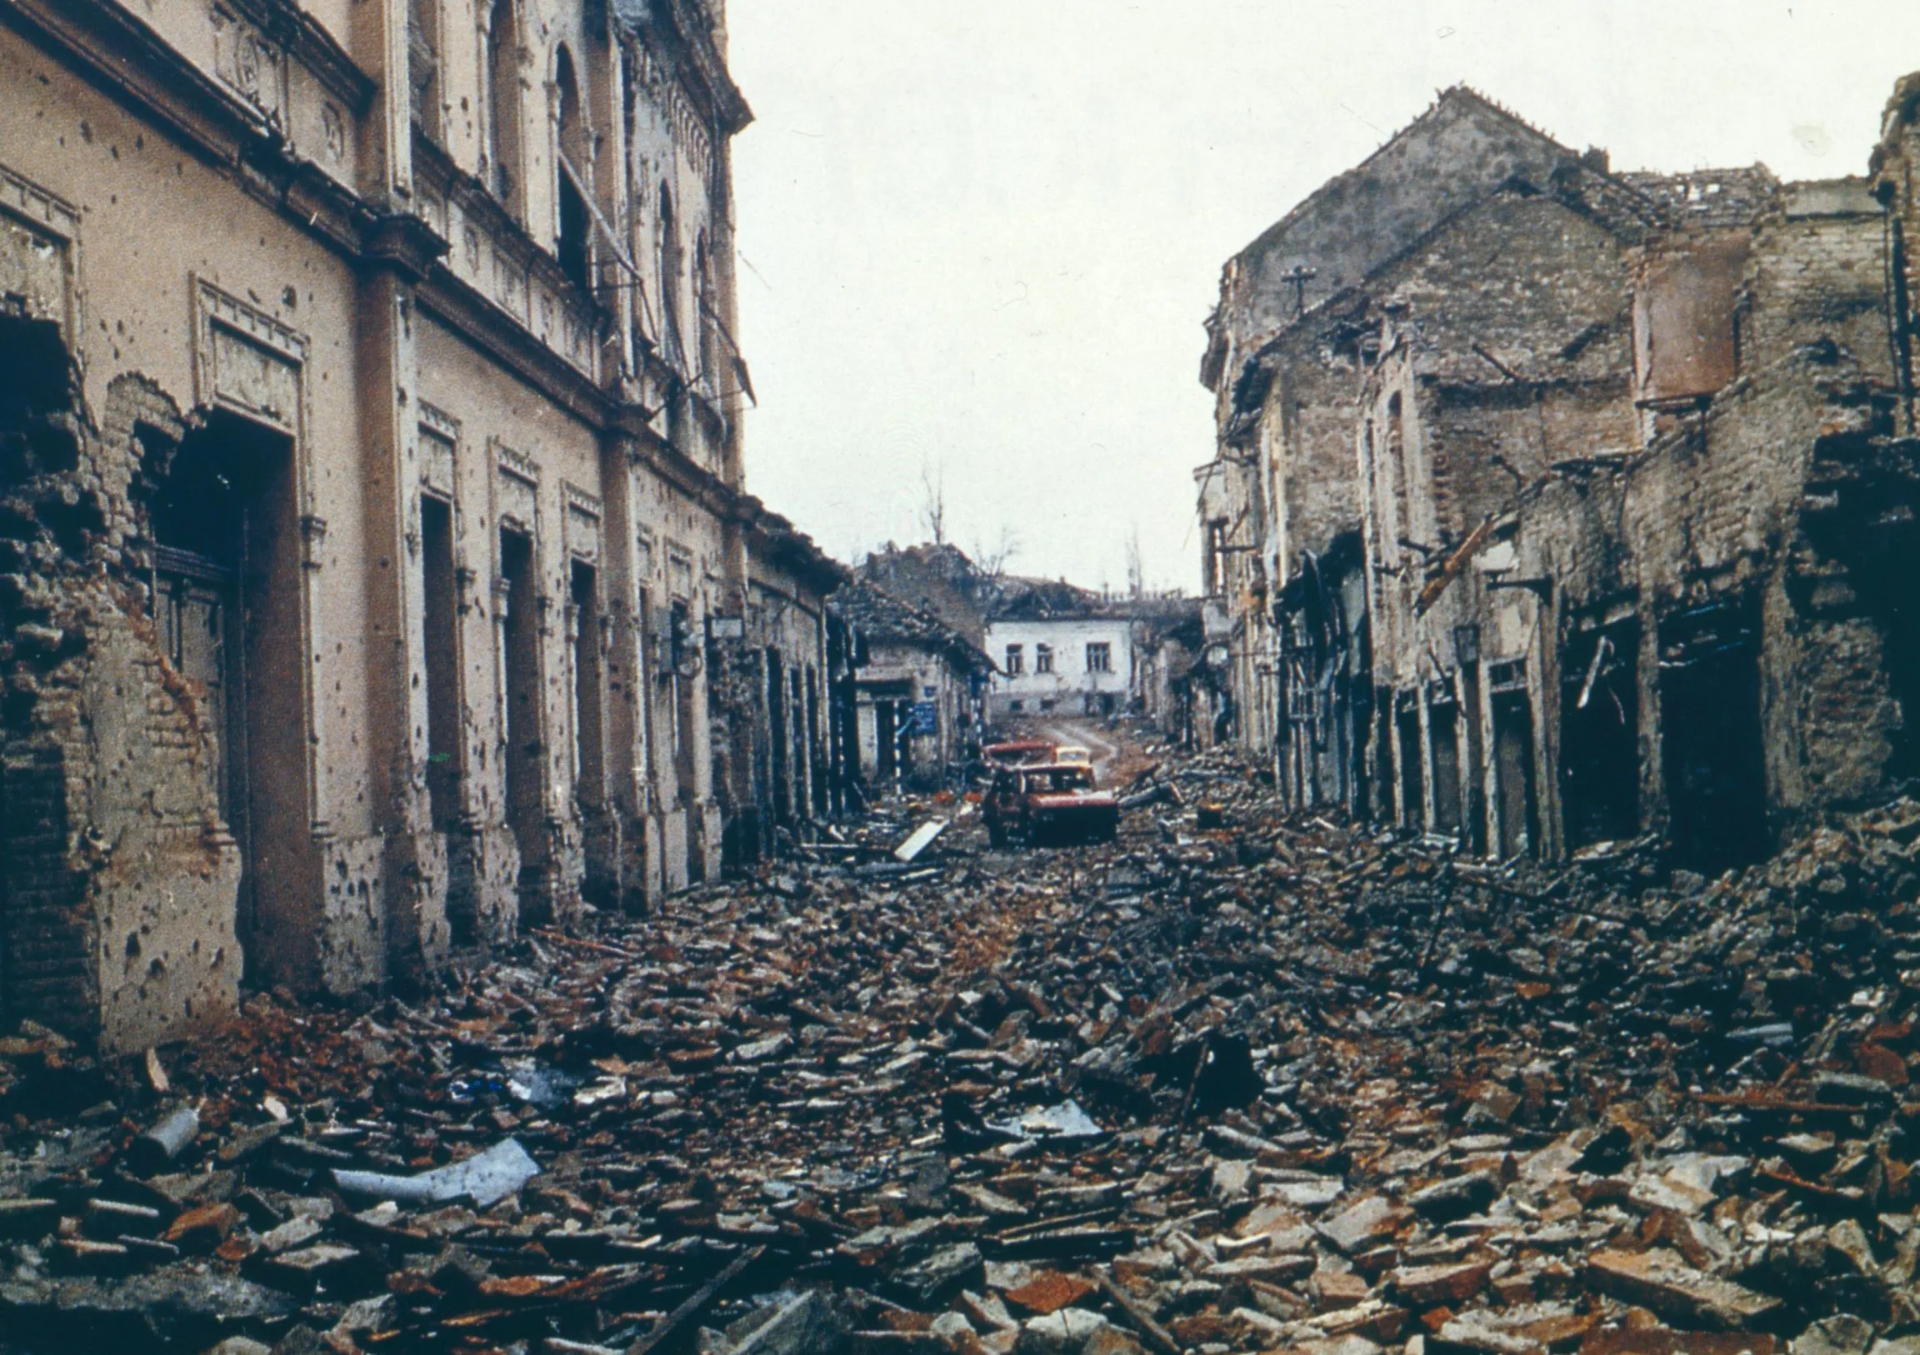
<point>570,240</point>
<point>1397,468</point>
<point>669,277</point>
<point>503,101</point>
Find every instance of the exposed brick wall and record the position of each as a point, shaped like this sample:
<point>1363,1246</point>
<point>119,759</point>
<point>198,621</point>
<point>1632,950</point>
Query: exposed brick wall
<point>45,939</point>
<point>118,916</point>
<point>1893,172</point>
<point>1819,277</point>
<point>1715,510</point>
<point>1314,403</point>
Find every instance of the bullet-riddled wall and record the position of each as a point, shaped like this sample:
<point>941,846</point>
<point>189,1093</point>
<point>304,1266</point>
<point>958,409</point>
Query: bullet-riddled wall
<point>371,476</point>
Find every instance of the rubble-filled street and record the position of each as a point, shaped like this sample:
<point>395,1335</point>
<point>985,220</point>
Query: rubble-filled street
<point>1240,1082</point>
<point>1407,846</point>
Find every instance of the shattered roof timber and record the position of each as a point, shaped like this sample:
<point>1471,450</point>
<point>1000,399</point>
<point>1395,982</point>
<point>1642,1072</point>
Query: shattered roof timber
<point>881,617</point>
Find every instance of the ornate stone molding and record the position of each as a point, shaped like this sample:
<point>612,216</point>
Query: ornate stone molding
<point>49,245</point>
<point>247,361</point>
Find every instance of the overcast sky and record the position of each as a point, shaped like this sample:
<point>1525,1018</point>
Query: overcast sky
<point>981,238</point>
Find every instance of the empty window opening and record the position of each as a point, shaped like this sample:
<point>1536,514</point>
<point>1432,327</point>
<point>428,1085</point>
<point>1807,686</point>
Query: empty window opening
<point>520,670</point>
<point>1412,756</point>
<point>687,664</point>
<point>1397,470</point>
<point>1443,731</point>
<point>1381,738</point>
<point>1100,657</point>
<point>1016,660</point>
<point>706,302</point>
<point>1043,658</point>
<point>1474,792</point>
<point>423,64</point>
<point>589,720</point>
<point>1600,735</point>
<point>650,666</point>
<point>777,736</point>
<point>226,597</point>
<point>815,761</point>
<point>503,101</point>
<point>884,761</point>
<point>670,279</point>
<point>439,617</point>
<point>1712,749</point>
<point>682,658</point>
<point>1518,803</point>
<point>571,243</point>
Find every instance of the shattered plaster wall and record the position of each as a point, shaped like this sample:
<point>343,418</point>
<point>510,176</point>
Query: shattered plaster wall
<point>325,461</point>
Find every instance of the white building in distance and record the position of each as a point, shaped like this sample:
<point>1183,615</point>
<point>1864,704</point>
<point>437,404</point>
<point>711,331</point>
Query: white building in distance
<point>1061,650</point>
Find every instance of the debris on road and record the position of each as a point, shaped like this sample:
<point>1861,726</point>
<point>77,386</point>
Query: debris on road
<point>1274,1085</point>
<point>485,1178</point>
<point>920,840</point>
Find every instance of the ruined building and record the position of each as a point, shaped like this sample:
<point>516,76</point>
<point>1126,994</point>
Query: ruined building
<point>1555,505</point>
<point>376,571</point>
<point>1057,648</point>
<point>917,693</point>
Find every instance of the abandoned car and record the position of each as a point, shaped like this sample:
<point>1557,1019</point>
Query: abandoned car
<point>1049,805</point>
<point>1019,752</point>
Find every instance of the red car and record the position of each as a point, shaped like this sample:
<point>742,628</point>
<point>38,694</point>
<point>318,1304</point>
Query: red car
<point>1048,805</point>
<point>1018,752</point>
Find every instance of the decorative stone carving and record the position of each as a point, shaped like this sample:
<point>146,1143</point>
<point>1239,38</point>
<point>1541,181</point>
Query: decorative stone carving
<point>247,361</point>
<point>38,235</point>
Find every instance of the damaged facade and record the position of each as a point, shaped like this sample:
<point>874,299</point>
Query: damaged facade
<point>1072,651</point>
<point>919,689</point>
<point>1555,505</point>
<point>1063,649</point>
<point>376,573</point>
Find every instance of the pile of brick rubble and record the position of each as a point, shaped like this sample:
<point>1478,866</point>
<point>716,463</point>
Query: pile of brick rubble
<point>1271,1084</point>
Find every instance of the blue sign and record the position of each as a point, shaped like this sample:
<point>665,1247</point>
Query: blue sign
<point>926,718</point>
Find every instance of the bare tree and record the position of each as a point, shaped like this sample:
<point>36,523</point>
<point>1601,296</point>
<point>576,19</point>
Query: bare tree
<point>991,562</point>
<point>1136,571</point>
<point>933,500</point>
